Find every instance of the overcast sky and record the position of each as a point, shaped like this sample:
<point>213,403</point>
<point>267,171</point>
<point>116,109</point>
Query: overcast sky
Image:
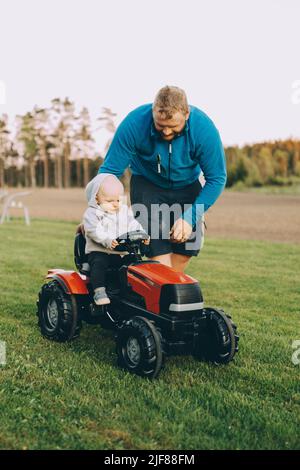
<point>238,60</point>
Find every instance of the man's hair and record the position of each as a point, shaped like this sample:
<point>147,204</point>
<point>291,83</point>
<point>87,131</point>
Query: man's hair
<point>169,100</point>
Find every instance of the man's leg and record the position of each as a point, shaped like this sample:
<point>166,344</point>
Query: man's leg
<point>179,262</point>
<point>174,260</point>
<point>164,259</point>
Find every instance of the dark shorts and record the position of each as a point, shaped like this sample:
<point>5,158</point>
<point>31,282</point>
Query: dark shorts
<point>157,218</point>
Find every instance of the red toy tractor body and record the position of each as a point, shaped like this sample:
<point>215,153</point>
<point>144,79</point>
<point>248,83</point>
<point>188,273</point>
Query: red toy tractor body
<point>154,311</point>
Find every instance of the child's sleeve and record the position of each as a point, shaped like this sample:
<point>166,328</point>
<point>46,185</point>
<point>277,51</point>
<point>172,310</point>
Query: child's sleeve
<point>95,229</point>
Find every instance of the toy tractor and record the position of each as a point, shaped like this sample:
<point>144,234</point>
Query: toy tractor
<point>155,311</point>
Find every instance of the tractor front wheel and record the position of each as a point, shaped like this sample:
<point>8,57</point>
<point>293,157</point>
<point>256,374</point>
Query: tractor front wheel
<point>218,342</point>
<point>139,348</point>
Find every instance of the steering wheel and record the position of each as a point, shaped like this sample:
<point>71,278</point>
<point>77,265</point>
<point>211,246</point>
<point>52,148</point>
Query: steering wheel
<point>131,239</point>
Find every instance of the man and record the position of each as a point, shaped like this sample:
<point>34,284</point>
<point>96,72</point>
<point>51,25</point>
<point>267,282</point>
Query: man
<point>166,145</point>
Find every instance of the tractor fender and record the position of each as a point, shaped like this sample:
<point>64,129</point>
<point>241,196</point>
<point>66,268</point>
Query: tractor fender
<point>71,281</point>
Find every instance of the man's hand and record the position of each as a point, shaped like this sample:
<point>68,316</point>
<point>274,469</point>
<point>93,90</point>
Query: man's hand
<point>181,231</point>
<point>114,243</point>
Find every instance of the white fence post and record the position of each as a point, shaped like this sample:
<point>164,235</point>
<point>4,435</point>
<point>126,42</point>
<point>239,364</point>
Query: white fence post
<point>12,201</point>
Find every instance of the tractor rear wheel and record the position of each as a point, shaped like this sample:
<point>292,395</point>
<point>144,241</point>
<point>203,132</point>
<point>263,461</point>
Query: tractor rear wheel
<point>139,348</point>
<point>57,313</point>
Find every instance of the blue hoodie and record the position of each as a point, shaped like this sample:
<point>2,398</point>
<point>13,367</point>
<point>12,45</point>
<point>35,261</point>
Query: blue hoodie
<point>176,164</point>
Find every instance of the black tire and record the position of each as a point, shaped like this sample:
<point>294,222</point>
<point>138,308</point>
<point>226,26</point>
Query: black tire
<point>139,348</point>
<point>57,313</point>
<point>219,341</point>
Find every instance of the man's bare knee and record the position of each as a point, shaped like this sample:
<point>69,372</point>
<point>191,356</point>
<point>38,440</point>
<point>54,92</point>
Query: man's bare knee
<point>179,262</point>
<point>164,259</point>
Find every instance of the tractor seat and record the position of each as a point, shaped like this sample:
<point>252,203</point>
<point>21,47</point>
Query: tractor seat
<point>80,257</point>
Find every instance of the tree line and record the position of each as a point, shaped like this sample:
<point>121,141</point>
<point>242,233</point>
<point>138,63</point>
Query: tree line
<point>266,163</point>
<point>52,147</point>
<point>55,147</point>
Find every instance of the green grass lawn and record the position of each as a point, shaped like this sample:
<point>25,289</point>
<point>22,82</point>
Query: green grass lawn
<point>62,396</point>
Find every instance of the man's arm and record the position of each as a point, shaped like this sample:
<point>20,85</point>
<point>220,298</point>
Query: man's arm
<point>121,150</point>
<point>211,157</point>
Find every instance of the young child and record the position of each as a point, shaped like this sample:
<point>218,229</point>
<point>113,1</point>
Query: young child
<point>106,218</point>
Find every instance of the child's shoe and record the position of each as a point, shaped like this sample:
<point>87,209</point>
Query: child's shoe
<point>100,296</point>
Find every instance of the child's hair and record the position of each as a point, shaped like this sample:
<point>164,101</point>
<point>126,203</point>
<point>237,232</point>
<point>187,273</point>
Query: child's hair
<point>110,185</point>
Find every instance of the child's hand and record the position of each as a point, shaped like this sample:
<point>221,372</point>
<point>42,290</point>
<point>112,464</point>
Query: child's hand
<point>114,243</point>
<point>146,242</point>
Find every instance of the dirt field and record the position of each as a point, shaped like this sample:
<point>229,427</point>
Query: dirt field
<point>235,215</point>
